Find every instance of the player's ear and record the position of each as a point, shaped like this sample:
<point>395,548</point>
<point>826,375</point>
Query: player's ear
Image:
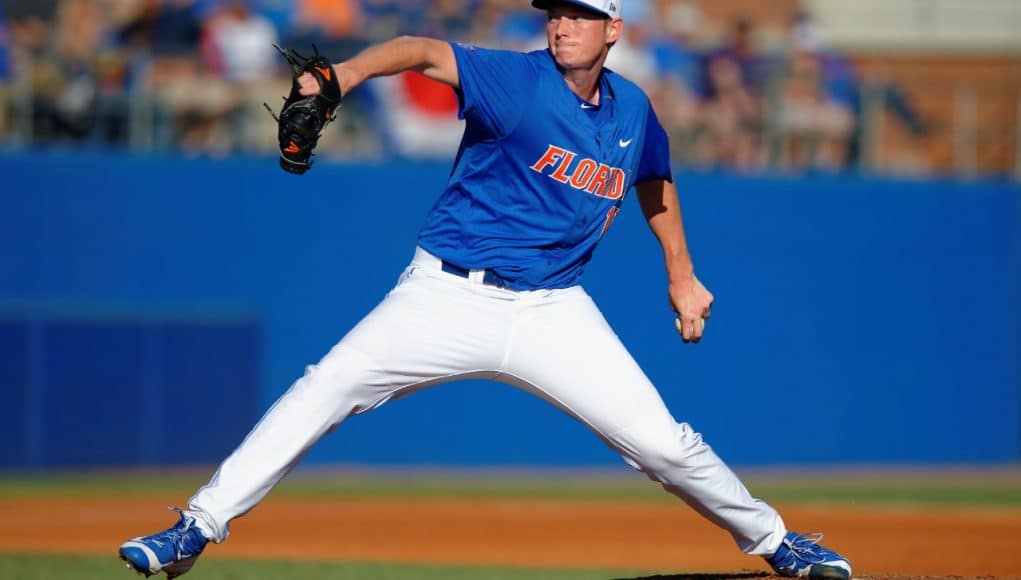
<point>613,30</point>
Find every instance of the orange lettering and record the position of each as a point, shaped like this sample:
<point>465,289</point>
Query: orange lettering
<point>549,158</point>
<point>598,185</point>
<point>559,174</point>
<point>583,173</point>
<point>589,175</point>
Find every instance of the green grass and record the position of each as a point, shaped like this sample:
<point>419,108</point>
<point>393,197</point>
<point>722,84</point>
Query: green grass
<point>992,488</point>
<point>64,567</point>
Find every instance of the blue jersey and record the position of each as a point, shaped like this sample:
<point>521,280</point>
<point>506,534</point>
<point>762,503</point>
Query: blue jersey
<point>540,174</point>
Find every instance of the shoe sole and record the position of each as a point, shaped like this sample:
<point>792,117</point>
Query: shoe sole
<point>131,565</point>
<point>172,570</point>
<point>830,573</point>
<point>180,567</point>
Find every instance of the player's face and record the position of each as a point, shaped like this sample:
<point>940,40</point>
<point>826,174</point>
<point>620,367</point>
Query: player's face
<point>578,38</point>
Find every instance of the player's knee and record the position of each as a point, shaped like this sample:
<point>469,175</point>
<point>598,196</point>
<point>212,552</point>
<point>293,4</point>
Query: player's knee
<point>663,450</point>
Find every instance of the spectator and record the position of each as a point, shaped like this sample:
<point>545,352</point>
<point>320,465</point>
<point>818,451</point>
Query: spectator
<point>846,90</point>
<point>241,44</point>
<point>81,38</point>
<point>814,126</point>
<point>30,24</point>
<point>739,48</point>
<point>674,47</point>
<point>30,29</point>
<point>238,49</point>
<point>61,62</point>
<point>191,105</point>
<point>679,68</point>
<point>731,126</point>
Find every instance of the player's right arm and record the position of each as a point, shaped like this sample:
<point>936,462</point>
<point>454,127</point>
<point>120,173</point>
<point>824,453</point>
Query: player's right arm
<point>688,297</point>
<point>428,56</point>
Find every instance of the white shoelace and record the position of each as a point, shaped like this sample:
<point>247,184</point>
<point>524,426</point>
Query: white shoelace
<point>807,547</point>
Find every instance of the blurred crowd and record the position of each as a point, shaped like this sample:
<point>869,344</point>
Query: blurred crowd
<point>192,75</point>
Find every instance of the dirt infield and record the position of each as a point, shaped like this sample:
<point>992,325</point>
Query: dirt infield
<point>666,537</point>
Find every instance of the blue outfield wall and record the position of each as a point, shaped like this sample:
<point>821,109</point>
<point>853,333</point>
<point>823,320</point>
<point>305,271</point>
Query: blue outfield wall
<point>857,321</point>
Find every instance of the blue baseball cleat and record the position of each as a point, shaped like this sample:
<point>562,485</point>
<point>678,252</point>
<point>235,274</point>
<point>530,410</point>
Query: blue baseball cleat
<point>173,551</point>
<point>802,556</point>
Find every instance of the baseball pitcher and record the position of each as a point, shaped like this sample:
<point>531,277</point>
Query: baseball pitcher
<point>553,144</point>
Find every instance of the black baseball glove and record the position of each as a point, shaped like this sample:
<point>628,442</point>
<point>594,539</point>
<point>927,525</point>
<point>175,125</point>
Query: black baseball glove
<point>304,117</point>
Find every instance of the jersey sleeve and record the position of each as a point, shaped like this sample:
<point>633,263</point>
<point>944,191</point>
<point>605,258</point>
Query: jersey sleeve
<point>654,164</point>
<point>496,86</point>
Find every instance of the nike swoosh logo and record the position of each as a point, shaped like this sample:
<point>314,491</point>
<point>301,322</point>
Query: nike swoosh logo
<point>586,106</point>
<point>624,143</point>
<point>325,72</point>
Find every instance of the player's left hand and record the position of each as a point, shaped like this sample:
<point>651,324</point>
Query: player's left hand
<point>691,301</point>
<point>312,104</point>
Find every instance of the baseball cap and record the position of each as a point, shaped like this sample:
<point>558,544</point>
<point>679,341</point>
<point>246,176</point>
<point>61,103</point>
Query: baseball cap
<point>610,8</point>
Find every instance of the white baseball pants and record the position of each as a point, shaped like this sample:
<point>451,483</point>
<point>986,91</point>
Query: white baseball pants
<point>435,327</point>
